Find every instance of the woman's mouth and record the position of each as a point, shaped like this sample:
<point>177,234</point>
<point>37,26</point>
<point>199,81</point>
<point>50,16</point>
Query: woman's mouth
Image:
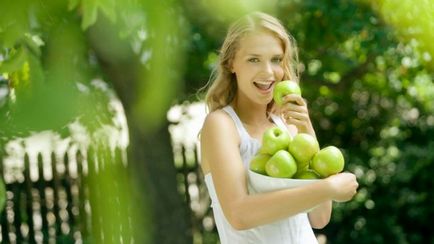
<point>264,86</point>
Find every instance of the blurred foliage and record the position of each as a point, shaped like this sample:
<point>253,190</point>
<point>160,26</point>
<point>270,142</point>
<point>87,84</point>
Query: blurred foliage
<point>51,51</point>
<point>46,43</point>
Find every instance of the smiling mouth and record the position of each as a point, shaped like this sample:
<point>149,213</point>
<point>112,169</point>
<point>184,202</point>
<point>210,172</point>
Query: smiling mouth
<point>264,86</point>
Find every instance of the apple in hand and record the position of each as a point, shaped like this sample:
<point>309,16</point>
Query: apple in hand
<point>307,174</point>
<point>274,139</point>
<point>284,88</point>
<point>303,147</point>
<point>257,164</point>
<point>328,161</point>
<point>281,165</point>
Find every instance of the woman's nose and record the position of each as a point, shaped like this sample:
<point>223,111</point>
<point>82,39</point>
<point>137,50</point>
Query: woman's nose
<point>267,67</point>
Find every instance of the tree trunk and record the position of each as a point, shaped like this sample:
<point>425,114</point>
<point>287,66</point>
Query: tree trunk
<point>150,152</point>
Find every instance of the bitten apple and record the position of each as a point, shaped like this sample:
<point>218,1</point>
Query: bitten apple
<point>274,139</point>
<point>303,147</point>
<point>328,161</point>
<point>281,165</point>
<point>284,88</point>
<point>257,164</point>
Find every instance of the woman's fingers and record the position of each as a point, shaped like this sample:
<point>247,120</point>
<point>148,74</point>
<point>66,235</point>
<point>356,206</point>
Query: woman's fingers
<point>296,116</point>
<point>298,123</point>
<point>294,111</point>
<point>294,108</point>
<point>294,99</point>
<point>344,185</point>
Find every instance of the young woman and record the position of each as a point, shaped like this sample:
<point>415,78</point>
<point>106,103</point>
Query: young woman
<point>256,54</point>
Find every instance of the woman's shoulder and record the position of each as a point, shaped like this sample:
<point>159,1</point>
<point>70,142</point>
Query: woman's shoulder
<point>218,118</point>
<point>220,124</point>
<point>218,136</point>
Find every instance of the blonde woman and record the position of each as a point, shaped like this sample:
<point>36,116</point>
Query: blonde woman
<point>256,54</point>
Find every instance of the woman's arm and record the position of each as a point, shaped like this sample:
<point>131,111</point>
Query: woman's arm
<point>319,217</point>
<point>220,151</point>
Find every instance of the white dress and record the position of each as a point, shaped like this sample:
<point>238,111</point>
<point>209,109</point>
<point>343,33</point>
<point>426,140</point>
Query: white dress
<point>293,230</point>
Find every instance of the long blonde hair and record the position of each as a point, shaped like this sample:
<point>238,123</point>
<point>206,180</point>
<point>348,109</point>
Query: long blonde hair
<point>222,84</point>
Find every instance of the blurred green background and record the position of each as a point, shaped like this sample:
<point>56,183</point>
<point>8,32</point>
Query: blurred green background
<point>368,69</point>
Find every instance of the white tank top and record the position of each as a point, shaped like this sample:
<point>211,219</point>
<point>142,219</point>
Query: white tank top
<point>293,230</point>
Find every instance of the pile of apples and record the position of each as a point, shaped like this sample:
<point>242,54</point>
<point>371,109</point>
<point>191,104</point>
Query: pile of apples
<point>299,157</point>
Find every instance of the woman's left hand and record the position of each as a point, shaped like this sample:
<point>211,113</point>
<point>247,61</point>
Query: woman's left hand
<point>294,111</point>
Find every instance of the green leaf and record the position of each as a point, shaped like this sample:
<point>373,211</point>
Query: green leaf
<point>109,8</point>
<point>15,62</point>
<point>90,13</point>
<point>33,43</point>
<point>72,4</point>
<point>13,22</point>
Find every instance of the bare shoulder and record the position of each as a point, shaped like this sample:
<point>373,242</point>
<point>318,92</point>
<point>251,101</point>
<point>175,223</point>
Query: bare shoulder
<point>218,120</point>
<point>218,132</point>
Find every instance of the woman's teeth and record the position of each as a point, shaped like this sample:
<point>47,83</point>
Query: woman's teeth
<point>263,85</point>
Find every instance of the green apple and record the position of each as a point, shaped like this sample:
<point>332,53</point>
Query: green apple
<point>303,147</point>
<point>307,174</point>
<point>284,88</point>
<point>262,151</point>
<point>274,139</point>
<point>328,161</point>
<point>281,165</point>
<point>257,164</point>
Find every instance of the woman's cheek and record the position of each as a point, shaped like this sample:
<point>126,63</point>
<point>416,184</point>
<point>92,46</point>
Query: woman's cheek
<point>279,74</point>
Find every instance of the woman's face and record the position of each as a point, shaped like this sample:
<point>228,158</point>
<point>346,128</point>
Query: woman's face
<point>257,66</point>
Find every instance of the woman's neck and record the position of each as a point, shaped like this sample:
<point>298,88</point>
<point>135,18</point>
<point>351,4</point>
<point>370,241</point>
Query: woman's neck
<point>251,114</point>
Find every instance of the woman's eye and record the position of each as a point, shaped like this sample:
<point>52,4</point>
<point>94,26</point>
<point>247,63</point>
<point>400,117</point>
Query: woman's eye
<point>253,60</point>
<point>276,60</point>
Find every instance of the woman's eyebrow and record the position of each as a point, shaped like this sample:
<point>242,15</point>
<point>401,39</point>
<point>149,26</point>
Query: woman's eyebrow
<point>258,55</point>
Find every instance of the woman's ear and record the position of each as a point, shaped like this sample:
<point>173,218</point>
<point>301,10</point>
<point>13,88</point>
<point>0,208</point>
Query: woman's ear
<point>231,67</point>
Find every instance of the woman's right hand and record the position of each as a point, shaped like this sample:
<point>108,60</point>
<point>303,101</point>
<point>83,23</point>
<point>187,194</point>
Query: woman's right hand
<point>343,186</point>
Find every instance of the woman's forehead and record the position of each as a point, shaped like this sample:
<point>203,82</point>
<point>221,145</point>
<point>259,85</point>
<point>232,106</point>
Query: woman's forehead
<point>260,43</point>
